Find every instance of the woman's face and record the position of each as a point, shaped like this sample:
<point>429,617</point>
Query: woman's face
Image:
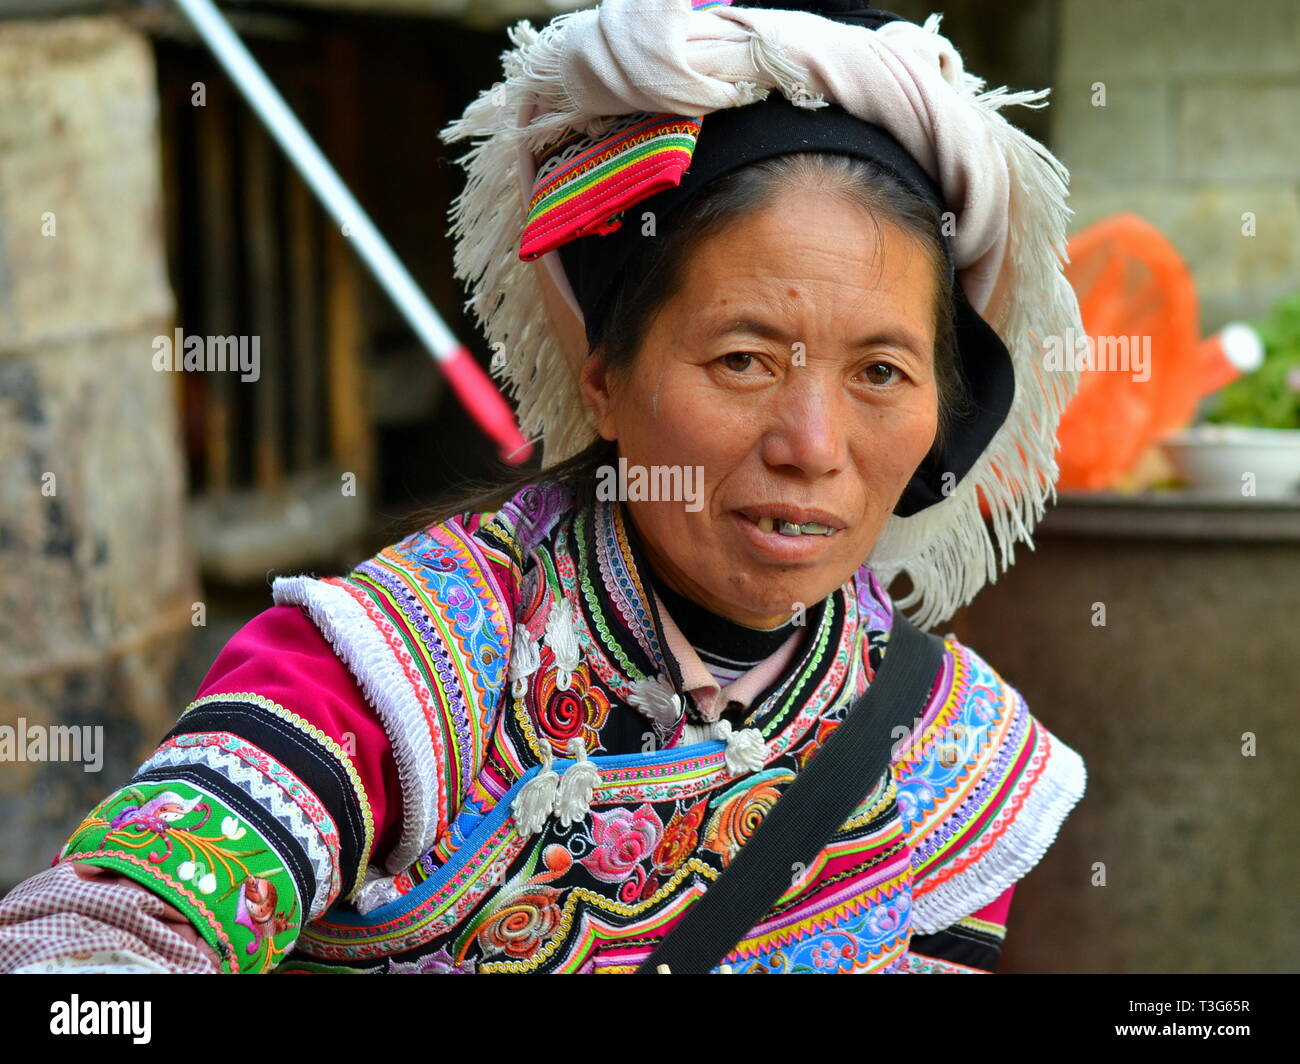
<point>795,366</point>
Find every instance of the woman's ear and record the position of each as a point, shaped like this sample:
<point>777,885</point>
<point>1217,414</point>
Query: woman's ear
<point>596,382</point>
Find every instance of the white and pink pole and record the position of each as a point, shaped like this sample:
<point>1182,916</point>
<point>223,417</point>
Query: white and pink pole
<point>475,389</point>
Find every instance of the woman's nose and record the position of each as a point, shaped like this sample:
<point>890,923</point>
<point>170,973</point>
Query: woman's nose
<point>809,425</point>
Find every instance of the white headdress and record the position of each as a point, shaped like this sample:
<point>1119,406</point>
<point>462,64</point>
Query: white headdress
<point>1007,193</point>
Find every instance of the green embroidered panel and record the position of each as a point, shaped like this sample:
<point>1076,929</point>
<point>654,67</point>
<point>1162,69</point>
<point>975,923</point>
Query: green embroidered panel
<point>204,859</point>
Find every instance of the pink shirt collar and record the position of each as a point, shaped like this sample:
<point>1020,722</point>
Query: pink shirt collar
<point>698,682</point>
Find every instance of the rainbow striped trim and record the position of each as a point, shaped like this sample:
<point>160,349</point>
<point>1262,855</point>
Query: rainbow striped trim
<point>585,183</point>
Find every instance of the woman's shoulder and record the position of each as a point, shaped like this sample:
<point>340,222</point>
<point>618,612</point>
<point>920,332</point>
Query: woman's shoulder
<point>494,542</point>
<point>262,805</point>
<point>454,583</point>
<point>983,788</point>
<point>280,661</point>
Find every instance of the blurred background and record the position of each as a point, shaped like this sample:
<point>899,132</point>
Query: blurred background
<point>1153,627</point>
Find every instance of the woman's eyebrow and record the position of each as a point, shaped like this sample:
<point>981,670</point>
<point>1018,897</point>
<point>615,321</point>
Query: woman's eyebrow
<point>752,326</point>
<point>899,335</point>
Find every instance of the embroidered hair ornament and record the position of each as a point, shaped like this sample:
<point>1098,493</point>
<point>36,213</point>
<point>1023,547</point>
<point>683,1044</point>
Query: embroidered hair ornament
<point>640,103</point>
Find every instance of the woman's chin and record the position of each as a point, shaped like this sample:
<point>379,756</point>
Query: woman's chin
<point>757,578</point>
<point>767,599</point>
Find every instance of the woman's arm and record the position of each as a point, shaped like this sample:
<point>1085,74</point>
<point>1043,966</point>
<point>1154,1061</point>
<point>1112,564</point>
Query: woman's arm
<point>260,809</point>
<point>82,918</point>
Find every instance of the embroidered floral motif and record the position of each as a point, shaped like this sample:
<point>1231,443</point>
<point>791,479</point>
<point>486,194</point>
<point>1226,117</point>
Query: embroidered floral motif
<point>623,840</point>
<point>524,913</point>
<point>804,754</point>
<point>577,711</point>
<point>680,837</point>
<point>740,810</point>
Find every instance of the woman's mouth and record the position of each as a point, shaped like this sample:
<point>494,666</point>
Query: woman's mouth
<point>788,537</point>
<point>789,528</point>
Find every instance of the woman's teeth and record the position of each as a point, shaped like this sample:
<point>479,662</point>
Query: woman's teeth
<point>788,528</point>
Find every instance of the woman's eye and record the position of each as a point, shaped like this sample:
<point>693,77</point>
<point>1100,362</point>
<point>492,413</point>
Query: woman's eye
<point>893,372</point>
<point>738,360</point>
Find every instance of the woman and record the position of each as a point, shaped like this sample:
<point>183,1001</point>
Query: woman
<point>529,736</point>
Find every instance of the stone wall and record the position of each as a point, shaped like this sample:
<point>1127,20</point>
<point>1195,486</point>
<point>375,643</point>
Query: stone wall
<point>96,576</point>
<point>1201,125</point>
<point>1180,697</point>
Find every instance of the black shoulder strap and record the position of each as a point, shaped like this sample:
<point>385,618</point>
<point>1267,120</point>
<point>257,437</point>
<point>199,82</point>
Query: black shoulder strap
<point>805,817</point>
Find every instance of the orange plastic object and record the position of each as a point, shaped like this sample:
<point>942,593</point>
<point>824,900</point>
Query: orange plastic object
<point>1136,295</point>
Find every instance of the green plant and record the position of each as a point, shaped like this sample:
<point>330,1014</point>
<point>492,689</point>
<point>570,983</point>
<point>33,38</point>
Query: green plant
<point>1270,396</point>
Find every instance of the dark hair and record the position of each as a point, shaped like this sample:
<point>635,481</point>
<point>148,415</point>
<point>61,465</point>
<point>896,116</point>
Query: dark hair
<point>650,280</point>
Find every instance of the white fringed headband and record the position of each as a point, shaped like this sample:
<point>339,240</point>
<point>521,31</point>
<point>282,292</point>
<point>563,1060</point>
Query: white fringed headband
<point>586,71</point>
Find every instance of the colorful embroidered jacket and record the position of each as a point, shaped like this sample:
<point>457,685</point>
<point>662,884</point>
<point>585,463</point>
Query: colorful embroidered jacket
<point>555,808</point>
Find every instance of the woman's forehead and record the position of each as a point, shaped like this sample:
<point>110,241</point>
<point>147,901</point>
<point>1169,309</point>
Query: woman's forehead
<point>802,236</point>
<point>774,281</point>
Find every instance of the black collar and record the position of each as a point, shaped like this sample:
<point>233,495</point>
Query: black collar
<point>717,638</point>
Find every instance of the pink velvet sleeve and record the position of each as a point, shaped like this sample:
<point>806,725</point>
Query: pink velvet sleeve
<point>281,655</point>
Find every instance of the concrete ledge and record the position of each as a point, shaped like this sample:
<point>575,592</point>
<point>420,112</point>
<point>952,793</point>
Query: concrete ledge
<point>1171,515</point>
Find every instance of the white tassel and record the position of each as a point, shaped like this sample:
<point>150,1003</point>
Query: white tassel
<point>793,78</point>
<point>562,638</point>
<point>573,799</point>
<point>536,798</point>
<point>946,550</point>
<point>377,889</point>
<point>657,700</point>
<point>745,748</point>
<point>525,658</point>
